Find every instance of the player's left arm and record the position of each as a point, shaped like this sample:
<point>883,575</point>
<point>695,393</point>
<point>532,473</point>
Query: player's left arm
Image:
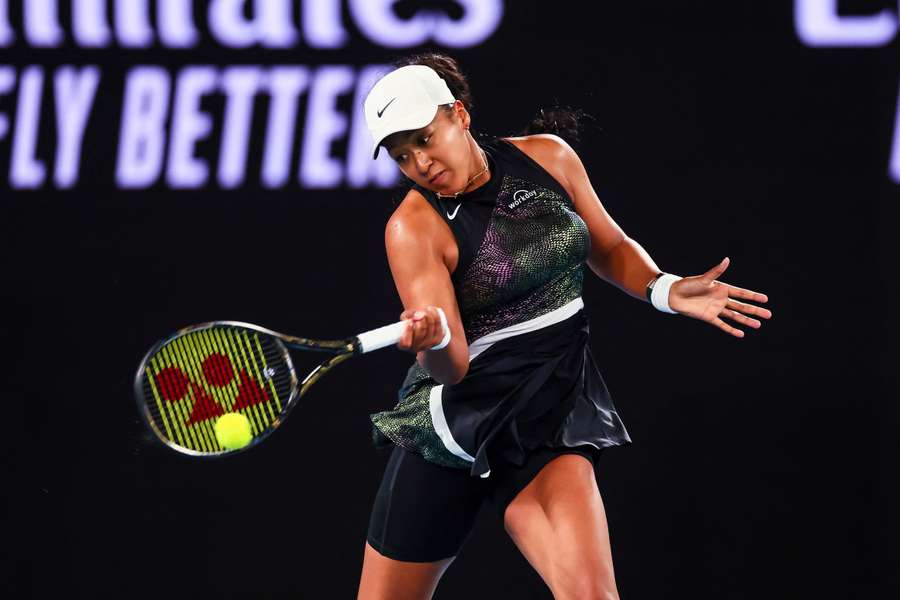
<point>621,261</point>
<point>614,256</point>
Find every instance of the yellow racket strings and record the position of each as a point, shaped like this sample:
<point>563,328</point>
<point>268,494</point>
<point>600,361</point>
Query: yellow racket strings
<point>197,377</point>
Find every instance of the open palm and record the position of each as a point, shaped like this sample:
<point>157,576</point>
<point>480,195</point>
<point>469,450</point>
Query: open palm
<point>703,297</point>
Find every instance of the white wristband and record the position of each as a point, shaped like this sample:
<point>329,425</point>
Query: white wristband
<point>659,297</point>
<point>446,340</point>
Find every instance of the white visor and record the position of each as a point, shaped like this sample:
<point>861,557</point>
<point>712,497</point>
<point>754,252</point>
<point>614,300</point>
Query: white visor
<point>405,99</point>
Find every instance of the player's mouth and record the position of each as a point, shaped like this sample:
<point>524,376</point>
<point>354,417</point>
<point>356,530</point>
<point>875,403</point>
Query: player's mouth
<point>439,179</point>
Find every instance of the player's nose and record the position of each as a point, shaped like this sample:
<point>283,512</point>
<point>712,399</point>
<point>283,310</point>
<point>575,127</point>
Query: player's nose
<point>423,161</point>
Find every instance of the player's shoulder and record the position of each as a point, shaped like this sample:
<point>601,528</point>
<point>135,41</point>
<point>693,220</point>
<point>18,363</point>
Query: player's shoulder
<point>544,147</point>
<point>413,222</point>
<point>552,153</point>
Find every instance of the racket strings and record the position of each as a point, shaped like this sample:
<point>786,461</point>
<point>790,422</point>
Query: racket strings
<point>195,378</point>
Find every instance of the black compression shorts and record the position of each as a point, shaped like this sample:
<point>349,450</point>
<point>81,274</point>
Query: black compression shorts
<point>424,512</point>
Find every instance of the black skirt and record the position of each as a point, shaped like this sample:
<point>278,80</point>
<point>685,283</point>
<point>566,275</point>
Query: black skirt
<point>532,390</point>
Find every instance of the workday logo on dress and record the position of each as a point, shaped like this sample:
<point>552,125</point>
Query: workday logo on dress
<point>521,196</point>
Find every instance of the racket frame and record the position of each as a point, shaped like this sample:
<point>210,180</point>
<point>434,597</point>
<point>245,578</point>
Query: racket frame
<point>339,349</point>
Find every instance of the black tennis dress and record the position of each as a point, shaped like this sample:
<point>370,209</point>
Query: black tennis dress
<point>532,386</point>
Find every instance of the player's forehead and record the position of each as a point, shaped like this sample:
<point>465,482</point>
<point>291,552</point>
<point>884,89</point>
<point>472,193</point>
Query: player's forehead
<point>400,139</point>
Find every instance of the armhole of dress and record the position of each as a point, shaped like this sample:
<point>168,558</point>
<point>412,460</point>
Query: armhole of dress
<point>544,174</point>
<point>464,255</point>
<point>461,264</point>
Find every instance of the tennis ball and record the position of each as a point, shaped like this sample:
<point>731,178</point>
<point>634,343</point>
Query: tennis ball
<point>233,431</point>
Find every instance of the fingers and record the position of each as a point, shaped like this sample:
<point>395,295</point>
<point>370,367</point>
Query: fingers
<point>420,328</point>
<point>717,270</point>
<point>406,338</point>
<point>429,322</point>
<point>727,328</point>
<point>749,309</point>
<point>737,292</point>
<point>743,320</point>
<point>729,312</point>
<point>423,329</point>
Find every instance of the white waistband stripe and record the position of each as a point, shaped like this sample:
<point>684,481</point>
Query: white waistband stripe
<point>545,320</point>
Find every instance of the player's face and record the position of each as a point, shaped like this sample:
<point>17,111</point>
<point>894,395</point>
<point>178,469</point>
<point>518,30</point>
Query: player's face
<point>437,156</point>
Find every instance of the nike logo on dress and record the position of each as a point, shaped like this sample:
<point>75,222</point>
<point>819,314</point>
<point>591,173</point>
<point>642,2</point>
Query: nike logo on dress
<point>381,112</point>
<point>453,216</point>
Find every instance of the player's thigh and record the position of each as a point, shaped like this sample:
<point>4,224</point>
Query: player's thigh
<point>421,516</point>
<point>559,524</point>
<point>384,578</point>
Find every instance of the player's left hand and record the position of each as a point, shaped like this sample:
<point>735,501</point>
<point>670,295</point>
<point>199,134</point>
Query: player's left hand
<point>703,297</point>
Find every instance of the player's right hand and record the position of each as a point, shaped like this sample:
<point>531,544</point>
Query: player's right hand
<point>423,329</point>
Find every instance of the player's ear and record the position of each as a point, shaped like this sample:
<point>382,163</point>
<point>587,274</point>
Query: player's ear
<point>462,114</point>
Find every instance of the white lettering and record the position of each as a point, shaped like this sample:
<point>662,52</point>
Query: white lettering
<point>521,196</point>
<point>74,96</point>
<point>41,19</point>
<point>275,27</point>
<point>241,84</point>
<point>322,26</point>
<point>175,21</point>
<point>133,23</point>
<point>285,86</point>
<point>894,167</point>
<point>7,81</point>
<point>324,124</point>
<point>142,137</point>
<point>480,19</point>
<point>361,169</point>
<point>155,144</point>
<point>377,20</point>
<point>7,37</point>
<point>89,24</point>
<point>227,23</point>
<point>189,125</point>
<point>26,171</point>
<point>271,24</point>
<point>819,24</point>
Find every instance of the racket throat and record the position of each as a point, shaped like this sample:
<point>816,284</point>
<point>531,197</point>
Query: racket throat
<point>316,373</point>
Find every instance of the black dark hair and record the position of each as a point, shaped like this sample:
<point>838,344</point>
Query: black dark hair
<point>565,121</point>
<point>449,71</point>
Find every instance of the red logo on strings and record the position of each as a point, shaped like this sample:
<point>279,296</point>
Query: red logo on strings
<point>218,371</point>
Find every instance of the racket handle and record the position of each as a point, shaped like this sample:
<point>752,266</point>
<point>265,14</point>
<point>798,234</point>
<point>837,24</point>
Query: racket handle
<point>389,335</point>
<point>379,338</point>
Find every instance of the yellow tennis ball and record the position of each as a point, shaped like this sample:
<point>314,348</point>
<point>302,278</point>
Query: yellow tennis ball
<point>233,431</point>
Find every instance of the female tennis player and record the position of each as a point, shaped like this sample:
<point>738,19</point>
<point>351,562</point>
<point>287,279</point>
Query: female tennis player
<point>512,411</point>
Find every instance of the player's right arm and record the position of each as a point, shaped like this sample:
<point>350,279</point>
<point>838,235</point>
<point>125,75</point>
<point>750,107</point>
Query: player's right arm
<point>420,248</point>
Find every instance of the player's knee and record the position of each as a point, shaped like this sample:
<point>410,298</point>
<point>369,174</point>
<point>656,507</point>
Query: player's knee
<point>517,516</point>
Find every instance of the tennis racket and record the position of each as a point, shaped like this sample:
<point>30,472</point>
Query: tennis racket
<point>189,380</point>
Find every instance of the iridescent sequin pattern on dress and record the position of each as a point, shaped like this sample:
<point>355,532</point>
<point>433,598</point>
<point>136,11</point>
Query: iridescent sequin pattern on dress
<point>530,262</point>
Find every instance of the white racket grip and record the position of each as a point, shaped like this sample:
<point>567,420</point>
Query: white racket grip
<point>376,339</point>
<point>389,335</point>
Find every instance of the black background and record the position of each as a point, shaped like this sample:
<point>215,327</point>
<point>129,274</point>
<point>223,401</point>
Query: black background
<point>762,467</point>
